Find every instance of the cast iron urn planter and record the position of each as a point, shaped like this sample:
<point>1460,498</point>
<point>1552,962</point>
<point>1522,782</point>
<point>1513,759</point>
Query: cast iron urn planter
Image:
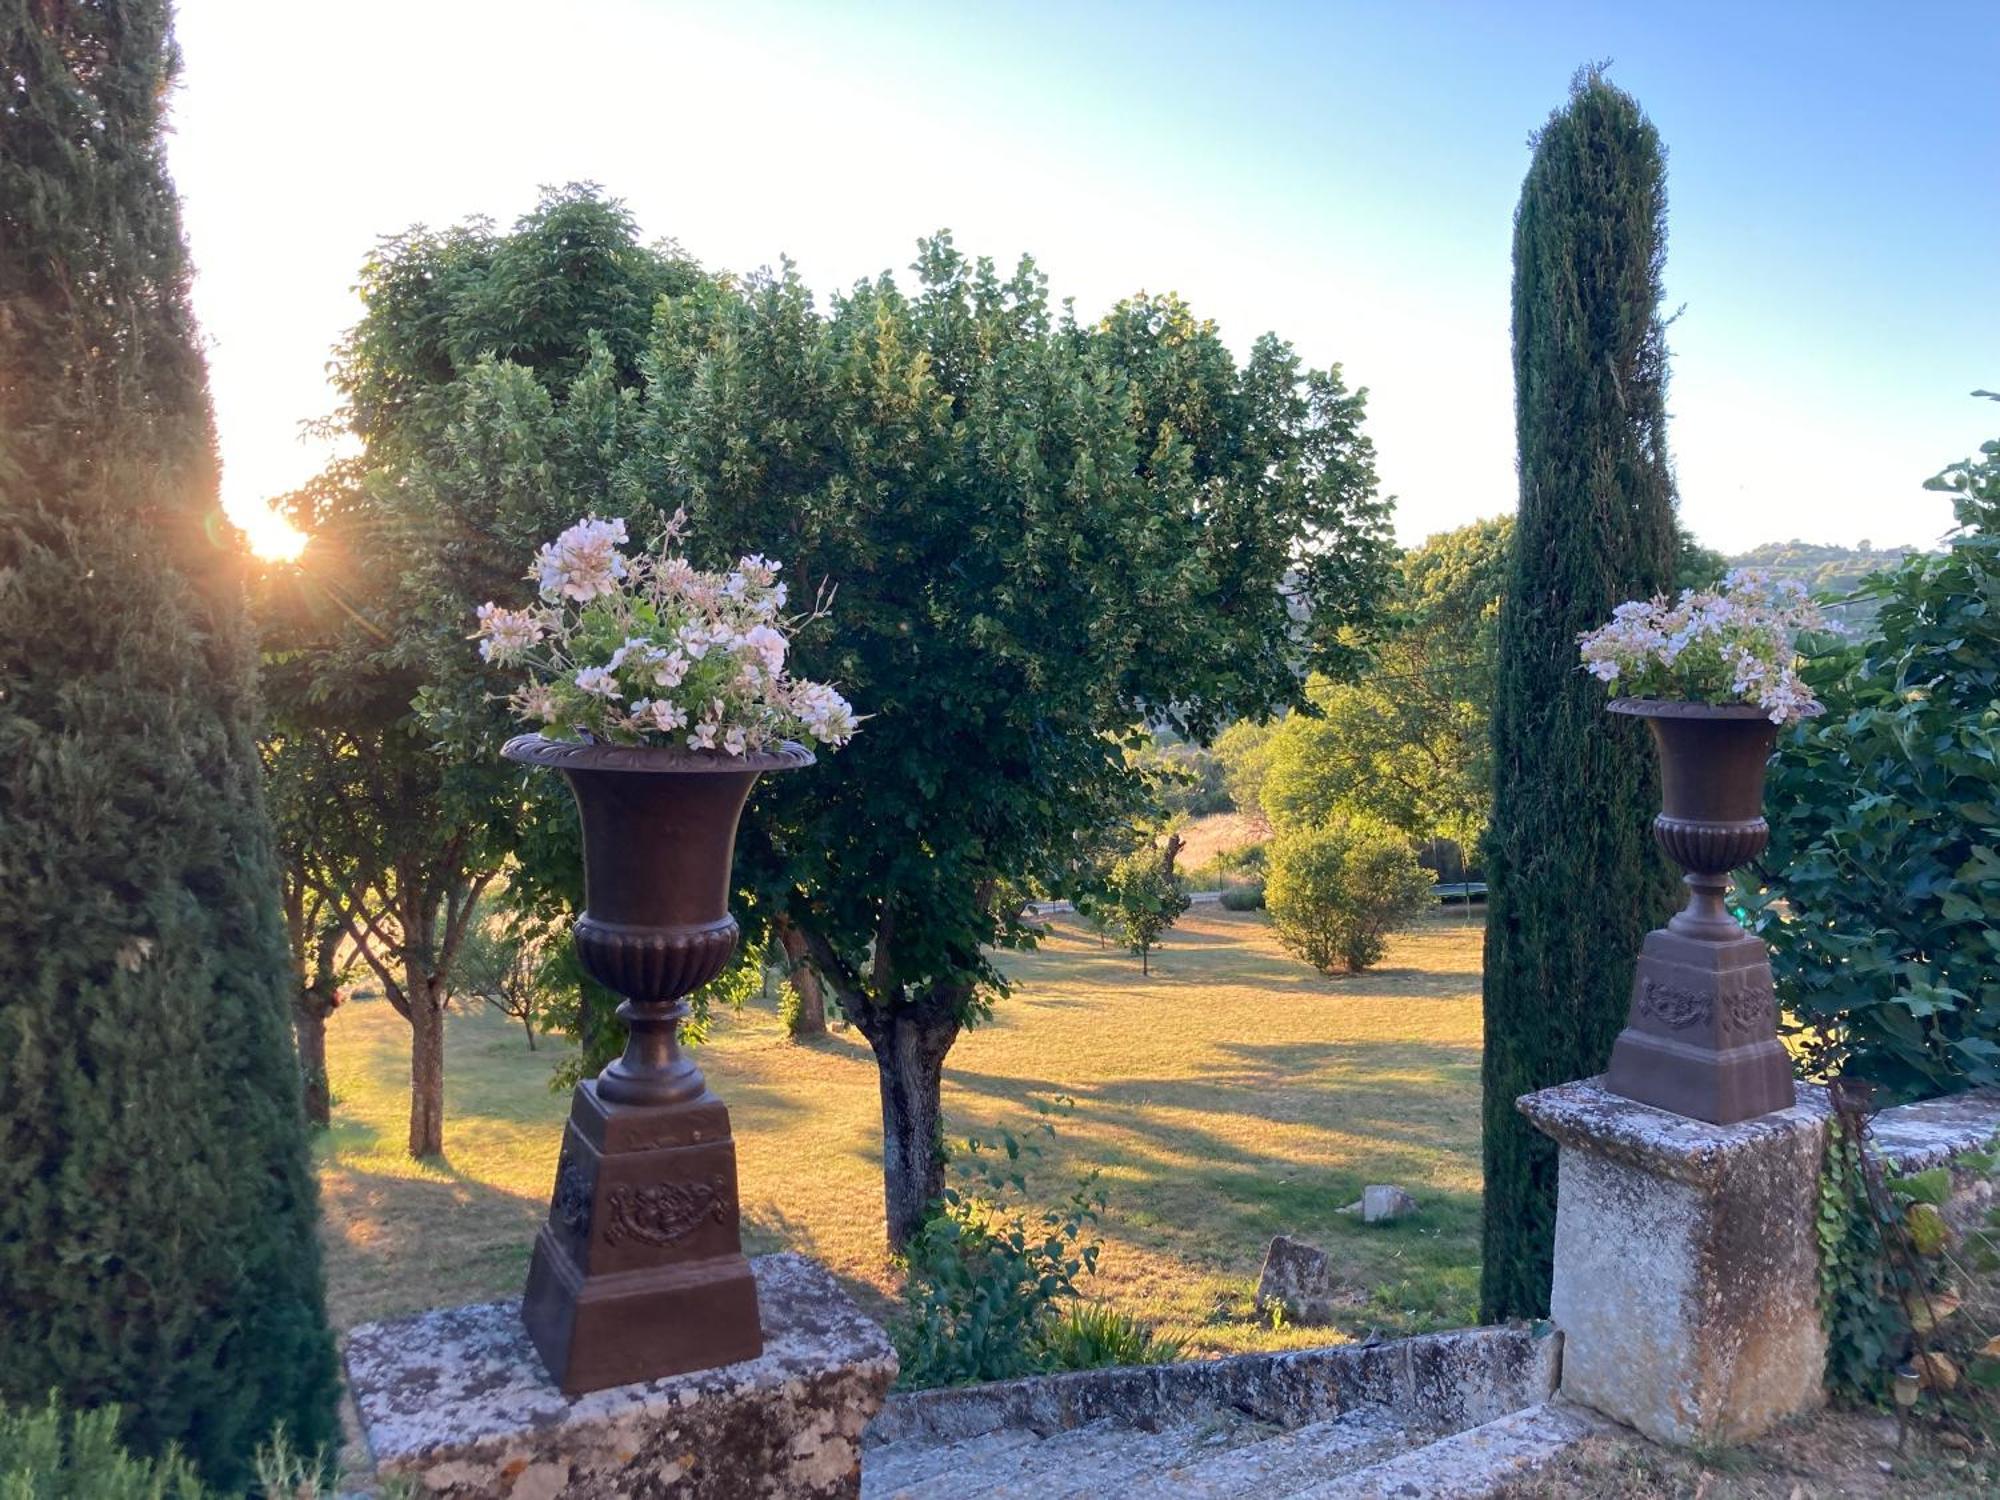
<point>1702,1035</point>
<point>639,1272</point>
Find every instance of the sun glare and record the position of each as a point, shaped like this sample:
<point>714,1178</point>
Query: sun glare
<point>272,537</point>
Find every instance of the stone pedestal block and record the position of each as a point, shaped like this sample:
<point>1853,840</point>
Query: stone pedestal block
<point>1686,1268</point>
<point>459,1400</point>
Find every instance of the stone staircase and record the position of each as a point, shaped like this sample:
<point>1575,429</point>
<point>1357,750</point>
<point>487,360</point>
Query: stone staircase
<point>1445,1415</point>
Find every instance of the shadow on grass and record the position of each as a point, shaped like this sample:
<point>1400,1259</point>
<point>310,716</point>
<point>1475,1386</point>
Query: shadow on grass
<point>767,1228</point>
<point>461,1237</point>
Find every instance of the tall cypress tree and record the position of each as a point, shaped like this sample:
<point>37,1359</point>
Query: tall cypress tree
<point>157,1206</point>
<point>1574,878</point>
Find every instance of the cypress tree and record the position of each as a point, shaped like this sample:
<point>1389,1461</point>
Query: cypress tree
<point>157,1208</point>
<point>1575,882</point>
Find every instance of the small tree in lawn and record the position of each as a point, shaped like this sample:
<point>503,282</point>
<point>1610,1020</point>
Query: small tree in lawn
<point>506,967</point>
<point>1145,899</point>
<point>1338,889</point>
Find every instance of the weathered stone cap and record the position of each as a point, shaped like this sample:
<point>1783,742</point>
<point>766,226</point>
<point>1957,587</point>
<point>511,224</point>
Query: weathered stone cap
<point>1911,1137</point>
<point>1586,1116</point>
<point>460,1396</point>
<point>1929,1133</point>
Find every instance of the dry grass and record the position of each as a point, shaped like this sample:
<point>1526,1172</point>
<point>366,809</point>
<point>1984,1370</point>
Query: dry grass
<point>1232,1096</point>
<point>1220,833</point>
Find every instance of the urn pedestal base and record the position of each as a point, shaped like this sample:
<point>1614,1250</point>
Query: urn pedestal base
<point>1701,1037</point>
<point>639,1272</point>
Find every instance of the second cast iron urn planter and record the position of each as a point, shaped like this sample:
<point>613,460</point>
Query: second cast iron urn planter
<point>1701,1038</point>
<point>639,1272</point>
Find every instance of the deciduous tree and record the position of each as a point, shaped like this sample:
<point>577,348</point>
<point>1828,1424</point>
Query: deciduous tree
<point>1041,532</point>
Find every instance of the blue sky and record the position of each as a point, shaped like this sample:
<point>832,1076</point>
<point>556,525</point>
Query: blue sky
<point>1342,174</point>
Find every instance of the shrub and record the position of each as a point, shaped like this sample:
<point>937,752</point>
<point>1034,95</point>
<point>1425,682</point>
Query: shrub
<point>47,1454</point>
<point>1243,898</point>
<point>157,1203</point>
<point>1337,890</point>
<point>1092,1335</point>
<point>1880,894</point>
<point>987,1274</point>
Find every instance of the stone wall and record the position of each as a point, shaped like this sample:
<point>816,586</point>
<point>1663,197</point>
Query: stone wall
<point>1445,1381</point>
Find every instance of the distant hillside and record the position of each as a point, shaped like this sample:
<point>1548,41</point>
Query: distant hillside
<point>1830,572</point>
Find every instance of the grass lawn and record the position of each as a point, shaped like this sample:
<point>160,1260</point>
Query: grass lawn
<point>1232,1096</point>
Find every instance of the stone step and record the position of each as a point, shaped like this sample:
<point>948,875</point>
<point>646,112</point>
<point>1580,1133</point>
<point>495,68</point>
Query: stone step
<point>1285,1462</point>
<point>1101,1459</point>
<point>1471,1464</point>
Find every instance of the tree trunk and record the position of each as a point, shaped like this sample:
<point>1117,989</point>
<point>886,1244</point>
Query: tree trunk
<point>426,1066</point>
<point>812,996</point>
<point>910,1042</point>
<point>310,1008</point>
<point>528,1025</point>
<point>1145,961</point>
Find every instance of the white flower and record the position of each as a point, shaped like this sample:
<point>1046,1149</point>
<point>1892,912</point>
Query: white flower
<point>506,632</point>
<point>536,701</point>
<point>828,717</point>
<point>733,741</point>
<point>769,646</point>
<point>759,570</point>
<point>695,640</point>
<point>584,562</point>
<point>703,737</point>
<point>598,682</point>
<point>660,714</point>
<point>669,667</point>
<point>1742,635</point>
<point>635,643</point>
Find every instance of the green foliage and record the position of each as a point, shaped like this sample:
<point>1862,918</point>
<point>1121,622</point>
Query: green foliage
<point>1865,1324</point>
<point>1896,1283</point>
<point>1406,742</point>
<point>1575,881</point>
<point>791,1009</point>
<point>1338,889</point>
<point>48,1454</point>
<point>508,965</point>
<point>1094,1336</point>
<point>987,1274</point>
<point>486,382</point>
<point>1243,897</point>
<point>1244,751</point>
<point>1043,532</point>
<point>1880,893</point>
<point>157,1207</point>
<point>1145,899</point>
<point>1188,780</point>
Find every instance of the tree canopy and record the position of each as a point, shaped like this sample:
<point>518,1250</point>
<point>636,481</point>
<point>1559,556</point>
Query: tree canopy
<point>1405,742</point>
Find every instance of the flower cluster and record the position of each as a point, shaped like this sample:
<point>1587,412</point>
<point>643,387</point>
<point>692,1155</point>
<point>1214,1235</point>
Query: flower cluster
<point>650,650</point>
<point>1734,644</point>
